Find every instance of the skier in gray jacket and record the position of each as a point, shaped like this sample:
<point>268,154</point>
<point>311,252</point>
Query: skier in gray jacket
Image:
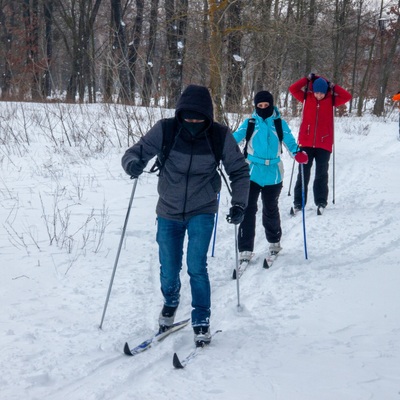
<point>188,189</point>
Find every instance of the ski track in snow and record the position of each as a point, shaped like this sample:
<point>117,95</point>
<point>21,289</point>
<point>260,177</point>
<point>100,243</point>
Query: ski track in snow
<point>323,328</point>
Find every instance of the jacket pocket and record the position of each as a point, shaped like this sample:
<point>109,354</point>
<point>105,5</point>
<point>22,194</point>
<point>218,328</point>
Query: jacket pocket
<point>323,138</point>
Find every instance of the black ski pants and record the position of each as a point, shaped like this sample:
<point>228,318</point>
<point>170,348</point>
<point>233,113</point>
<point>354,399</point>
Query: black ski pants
<point>270,216</point>
<point>320,186</point>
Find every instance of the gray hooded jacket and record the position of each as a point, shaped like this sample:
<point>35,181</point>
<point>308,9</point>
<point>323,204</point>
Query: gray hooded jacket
<point>189,181</point>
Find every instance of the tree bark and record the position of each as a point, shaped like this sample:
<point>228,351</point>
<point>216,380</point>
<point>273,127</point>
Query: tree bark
<point>216,9</point>
<point>235,63</point>
<point>30,16</point>
<point>81,24</point>
<point>386,63</point>
<point>148,75</point>
<point>134,46</point>
<point>176,21</point>
<point>119,48</point>
<point>7,40</point>
<point>48,18</point>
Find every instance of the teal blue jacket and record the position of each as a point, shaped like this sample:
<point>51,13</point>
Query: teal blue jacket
<point>264,149</point>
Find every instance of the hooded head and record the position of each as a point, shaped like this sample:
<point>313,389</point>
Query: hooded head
<point>264,97</point>
<point>195,104</point>
<point>320,85</point>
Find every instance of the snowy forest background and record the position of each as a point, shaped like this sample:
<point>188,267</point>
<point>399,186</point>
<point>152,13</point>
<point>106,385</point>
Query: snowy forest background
<point>323,328</point>
<point>143,53</point>
<point>80,81</point>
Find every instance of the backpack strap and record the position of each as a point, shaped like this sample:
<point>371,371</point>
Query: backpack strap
<point>217,136</point>
<point>279,130</point>
<point>169,130</point>
<point>249,132</point>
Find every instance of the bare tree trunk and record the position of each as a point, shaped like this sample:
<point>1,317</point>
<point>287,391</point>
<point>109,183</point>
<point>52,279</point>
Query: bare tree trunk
<point>119,49</point>
<point>206,49</point>
<point>234,83</point>
<point>81,24</point>
<point>134,46</point>
<point>263,46</point>
<point>386,67</point>
<point>216,9</point>
<point>356,53</point>
<point>7,40</point>
<point>148,75</point>
<point>48,17</point>
<point>364,81</point>
<point>176,20</point>
<point>342,11</point>
<point>30,16</point>
<point>309,47</point>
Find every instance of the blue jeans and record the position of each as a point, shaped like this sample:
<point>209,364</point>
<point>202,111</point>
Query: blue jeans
<point>170,239</point>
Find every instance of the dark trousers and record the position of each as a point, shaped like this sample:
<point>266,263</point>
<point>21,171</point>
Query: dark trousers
<point>320,186</point>
<point>270,216</point>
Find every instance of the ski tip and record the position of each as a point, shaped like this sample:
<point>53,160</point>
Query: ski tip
<point>266,265</point>
<point>234,274</point>
<point>127,350</point>
<point>176,362</point>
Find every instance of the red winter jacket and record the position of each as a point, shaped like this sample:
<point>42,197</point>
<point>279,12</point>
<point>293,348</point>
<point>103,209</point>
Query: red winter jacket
<point>316,129</point>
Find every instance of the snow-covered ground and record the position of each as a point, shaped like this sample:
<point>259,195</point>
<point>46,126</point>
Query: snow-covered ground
<point>325,328</point>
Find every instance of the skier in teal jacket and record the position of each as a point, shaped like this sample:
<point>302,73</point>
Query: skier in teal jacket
<point>264,150</point>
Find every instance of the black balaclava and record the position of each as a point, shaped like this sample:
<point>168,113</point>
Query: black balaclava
<point>194,127</point>
<point>264,96</point>
<point>195,99</point>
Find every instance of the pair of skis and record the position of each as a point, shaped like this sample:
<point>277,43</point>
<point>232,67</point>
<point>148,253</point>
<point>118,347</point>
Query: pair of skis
<point>267,263</point>
<point>295,211</point>
<point>158,337</point>
<point>179,364</point>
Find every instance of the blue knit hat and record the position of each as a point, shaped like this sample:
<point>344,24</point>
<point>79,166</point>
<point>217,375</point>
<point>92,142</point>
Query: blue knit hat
<point>320,86</point>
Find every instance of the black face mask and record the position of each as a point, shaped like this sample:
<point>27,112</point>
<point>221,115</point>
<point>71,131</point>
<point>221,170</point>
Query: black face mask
<point>265,112</point>
<point>194,128</point>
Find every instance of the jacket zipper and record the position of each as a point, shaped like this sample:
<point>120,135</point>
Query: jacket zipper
<point>316,124</point>
<point>187,178</point>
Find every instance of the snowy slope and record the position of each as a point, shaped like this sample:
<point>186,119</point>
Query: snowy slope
<point>326,328</point>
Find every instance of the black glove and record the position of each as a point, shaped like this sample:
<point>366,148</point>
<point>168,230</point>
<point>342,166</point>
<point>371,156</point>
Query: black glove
<point>311,77</point>
<point>135,168</point>
<point>236,215</point>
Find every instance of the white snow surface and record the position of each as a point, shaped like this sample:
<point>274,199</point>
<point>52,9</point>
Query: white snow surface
<point>322,328</point>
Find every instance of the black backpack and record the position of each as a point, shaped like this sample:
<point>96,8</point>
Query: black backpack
<point>169,127</point>
<point>250,129</point>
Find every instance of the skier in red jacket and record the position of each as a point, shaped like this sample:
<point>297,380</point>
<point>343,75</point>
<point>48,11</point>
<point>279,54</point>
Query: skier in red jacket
<point>316,135</point>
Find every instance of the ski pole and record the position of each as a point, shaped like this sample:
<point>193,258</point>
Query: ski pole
<point>333,175</point>
<point>333,145</point>
<point>291,178</point>
<point>237,268</point>
<point>118,251</point>
<point>303,200</point>
<point>215,227</point>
